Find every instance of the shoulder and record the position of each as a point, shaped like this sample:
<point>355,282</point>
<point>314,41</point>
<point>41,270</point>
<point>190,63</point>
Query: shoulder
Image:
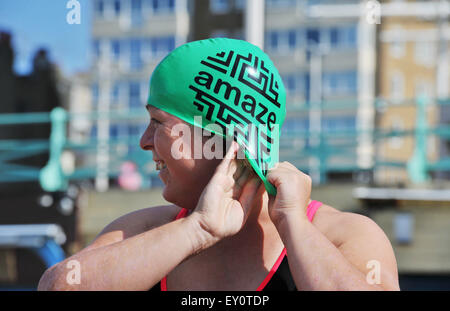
<point>148,218</point>
<point>360,240</point>
<point>134,223</point>
<point>340,226</point>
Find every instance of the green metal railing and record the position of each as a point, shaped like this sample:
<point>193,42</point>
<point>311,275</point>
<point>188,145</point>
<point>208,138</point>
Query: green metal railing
<point>335,152</point>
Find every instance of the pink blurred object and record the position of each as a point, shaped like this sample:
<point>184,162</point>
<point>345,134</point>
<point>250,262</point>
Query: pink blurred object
<point>129,179</point>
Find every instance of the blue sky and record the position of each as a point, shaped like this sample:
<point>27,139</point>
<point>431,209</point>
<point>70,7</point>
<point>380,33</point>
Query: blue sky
<point>42,23</point>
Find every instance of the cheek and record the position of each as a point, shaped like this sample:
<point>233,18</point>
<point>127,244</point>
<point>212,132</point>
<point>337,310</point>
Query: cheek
<point>162,145</point>
<point>175,147</point>
<point>163,142</point>
<point>203,171</point>
<point>178,162</point>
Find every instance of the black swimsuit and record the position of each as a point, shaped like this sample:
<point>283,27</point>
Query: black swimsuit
<point>279,277</point>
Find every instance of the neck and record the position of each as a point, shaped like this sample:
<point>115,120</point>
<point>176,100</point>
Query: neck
<point>258,226</point>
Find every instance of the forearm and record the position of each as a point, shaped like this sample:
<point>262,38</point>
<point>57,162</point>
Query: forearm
<point>315,262</point>
<point>136,263</point>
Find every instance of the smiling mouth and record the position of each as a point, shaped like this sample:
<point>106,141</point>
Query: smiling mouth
<point>160,165</point>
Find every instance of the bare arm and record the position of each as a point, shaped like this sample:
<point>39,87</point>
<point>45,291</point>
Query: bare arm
<point>315,261</point>
<point>318,264</point>
<point>128,256</point>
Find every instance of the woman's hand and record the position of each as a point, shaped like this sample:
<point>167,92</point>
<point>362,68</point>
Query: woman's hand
<point>225,202</point>
<point>293,192</point>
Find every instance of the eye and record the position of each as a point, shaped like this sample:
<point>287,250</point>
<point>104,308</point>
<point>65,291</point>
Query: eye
<point>153,120</point>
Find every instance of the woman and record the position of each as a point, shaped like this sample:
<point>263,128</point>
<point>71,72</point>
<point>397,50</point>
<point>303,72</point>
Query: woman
<point>232,226</point>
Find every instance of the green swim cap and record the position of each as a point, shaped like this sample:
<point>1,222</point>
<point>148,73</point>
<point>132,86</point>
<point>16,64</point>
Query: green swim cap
<point>227,82</point>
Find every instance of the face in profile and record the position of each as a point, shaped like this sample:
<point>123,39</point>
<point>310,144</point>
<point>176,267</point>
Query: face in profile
<point>183,176</point>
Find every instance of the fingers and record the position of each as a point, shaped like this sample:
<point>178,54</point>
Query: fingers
<point>274,174</point>
<point>240,182</point>
<point>239,170</point>
<point>228,164</point>
<point>248,193</point>
<point>287,174</point>
<point>281,169</point>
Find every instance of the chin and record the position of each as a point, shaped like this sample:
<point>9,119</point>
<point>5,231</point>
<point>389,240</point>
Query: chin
<point>179,198</point>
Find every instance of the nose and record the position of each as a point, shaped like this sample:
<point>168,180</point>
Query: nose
<point>146,142</point>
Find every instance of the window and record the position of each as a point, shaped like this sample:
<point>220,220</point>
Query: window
<point>94,132</point>
<point>397,87</point>
<point>312,36</point>
<point>219,6</point>
<point>351,36</point>
<point>115,49</point>
<point>283,40</point>
<point>95,93</point>
<point>145,87</point>
<point>343,37</point>
<point>334,37</point>
<point>143,49</point>
<point>117,7</point>
<point>162,46</point>
<point>404,227</point>
<point>352,81</point>
<point>423,88</point>
<point>160,6</point>
<point>135,54</point>
<point>290,83</point>
<point>118,130</point>
<point>397,49</point>
<point>396,125</point>
<point>136,5</point>
<point>115,92</point>
<point>136,12</point>
<point>134,94</point>
<point>340,83</point>
<point>113,131</point>
<point>295,83</point>
<point>96,48</point>
<point>424,53</point>
<point>272,40</point>
<point>135,130</point>
<point>292,39</point>
<point>157,47</point>
<point>295,125</point>
<point>99,8</point>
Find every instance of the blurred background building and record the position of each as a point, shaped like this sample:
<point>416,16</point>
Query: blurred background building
<point>368,115</point>
<point>413,61</point>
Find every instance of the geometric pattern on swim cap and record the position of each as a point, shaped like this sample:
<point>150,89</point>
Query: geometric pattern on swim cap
<point>251,72</point>
<point>259,82</point>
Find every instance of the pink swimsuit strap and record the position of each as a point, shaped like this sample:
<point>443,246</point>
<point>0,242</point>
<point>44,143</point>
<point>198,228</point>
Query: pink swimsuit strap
<point>311,210</point>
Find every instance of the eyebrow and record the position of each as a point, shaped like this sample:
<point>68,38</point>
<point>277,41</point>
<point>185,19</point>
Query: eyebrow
<point>156,112</point>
